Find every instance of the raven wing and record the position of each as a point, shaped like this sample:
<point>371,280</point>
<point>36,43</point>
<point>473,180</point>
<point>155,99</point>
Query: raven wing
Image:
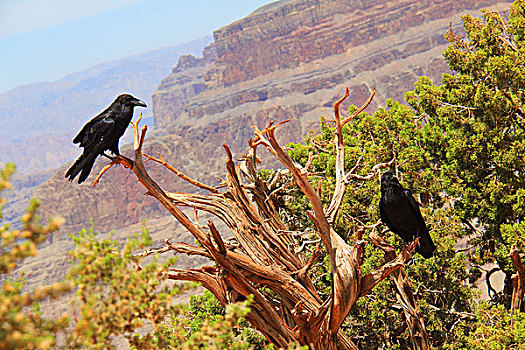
<point>107,113</point>
<point>384,216</point>
<point>95,131</point>
<point>426,245</point>
<point>415,208</point>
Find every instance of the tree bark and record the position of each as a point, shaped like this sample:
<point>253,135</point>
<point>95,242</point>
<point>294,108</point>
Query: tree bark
<point>518,284</point>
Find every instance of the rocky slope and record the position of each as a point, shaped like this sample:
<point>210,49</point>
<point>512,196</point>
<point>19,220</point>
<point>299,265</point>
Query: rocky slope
<point>18,196</point>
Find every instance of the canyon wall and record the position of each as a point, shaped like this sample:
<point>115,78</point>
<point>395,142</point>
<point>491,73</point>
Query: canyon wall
<point>289,59</point>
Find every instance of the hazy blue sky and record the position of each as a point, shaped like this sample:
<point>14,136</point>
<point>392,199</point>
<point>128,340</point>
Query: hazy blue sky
<point>44,40</point>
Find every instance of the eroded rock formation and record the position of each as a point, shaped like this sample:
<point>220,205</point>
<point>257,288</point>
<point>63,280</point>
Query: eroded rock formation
<point>289,59</point>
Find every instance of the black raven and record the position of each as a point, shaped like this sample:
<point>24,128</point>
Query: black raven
<point>103,133</point>
<point>400,212</point>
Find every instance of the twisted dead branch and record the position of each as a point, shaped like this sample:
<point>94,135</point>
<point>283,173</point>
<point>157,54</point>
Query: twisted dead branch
<point>405,295</point>
<point>263,258</point>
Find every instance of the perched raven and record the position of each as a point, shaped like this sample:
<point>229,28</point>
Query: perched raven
<point>103,133</point>
<point>400,212</point>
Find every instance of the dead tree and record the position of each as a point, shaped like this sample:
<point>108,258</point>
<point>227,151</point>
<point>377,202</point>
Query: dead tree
<point>264,262</point>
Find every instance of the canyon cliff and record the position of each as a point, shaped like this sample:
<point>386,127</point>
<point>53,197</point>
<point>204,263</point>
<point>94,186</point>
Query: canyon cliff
<point>298,55</point>
<point>288,59</point>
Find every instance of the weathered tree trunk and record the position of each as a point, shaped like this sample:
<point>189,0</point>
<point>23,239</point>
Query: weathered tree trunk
<point>265,256</point>
<point>518,284</point>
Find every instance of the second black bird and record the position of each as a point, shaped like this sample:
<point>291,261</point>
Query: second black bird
<point>103,133</point>
<point>400,212</point>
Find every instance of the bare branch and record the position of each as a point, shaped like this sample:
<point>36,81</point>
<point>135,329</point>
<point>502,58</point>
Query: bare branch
<point>262,258</point>
<point>372,279</point>
<point>372,173</point>
<point>305,243</point>
<point>340,178</point>
<point>508,43</point>
<point>177,247</point>
<point>104,169</point>
<point>360,109</point>
<point>181,175</point>
<point>300,177</point>
<point>457,106</point>
<point>405,294</point>
<point>217,237</point>
<point>316,255</point>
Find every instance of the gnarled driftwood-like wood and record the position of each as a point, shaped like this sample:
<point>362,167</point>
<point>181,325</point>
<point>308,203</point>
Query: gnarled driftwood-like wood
<point>265,259</point>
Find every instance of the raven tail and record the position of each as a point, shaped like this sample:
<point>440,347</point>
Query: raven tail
<point>84,163</point>
<point>426,246</point>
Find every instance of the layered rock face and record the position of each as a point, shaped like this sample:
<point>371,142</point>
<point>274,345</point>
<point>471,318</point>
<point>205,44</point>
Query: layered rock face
<point>299,55</point>
<point>185,81</point>
<point>290,33</point>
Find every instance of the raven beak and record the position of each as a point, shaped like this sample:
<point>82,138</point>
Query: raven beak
<point>139,103</point>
